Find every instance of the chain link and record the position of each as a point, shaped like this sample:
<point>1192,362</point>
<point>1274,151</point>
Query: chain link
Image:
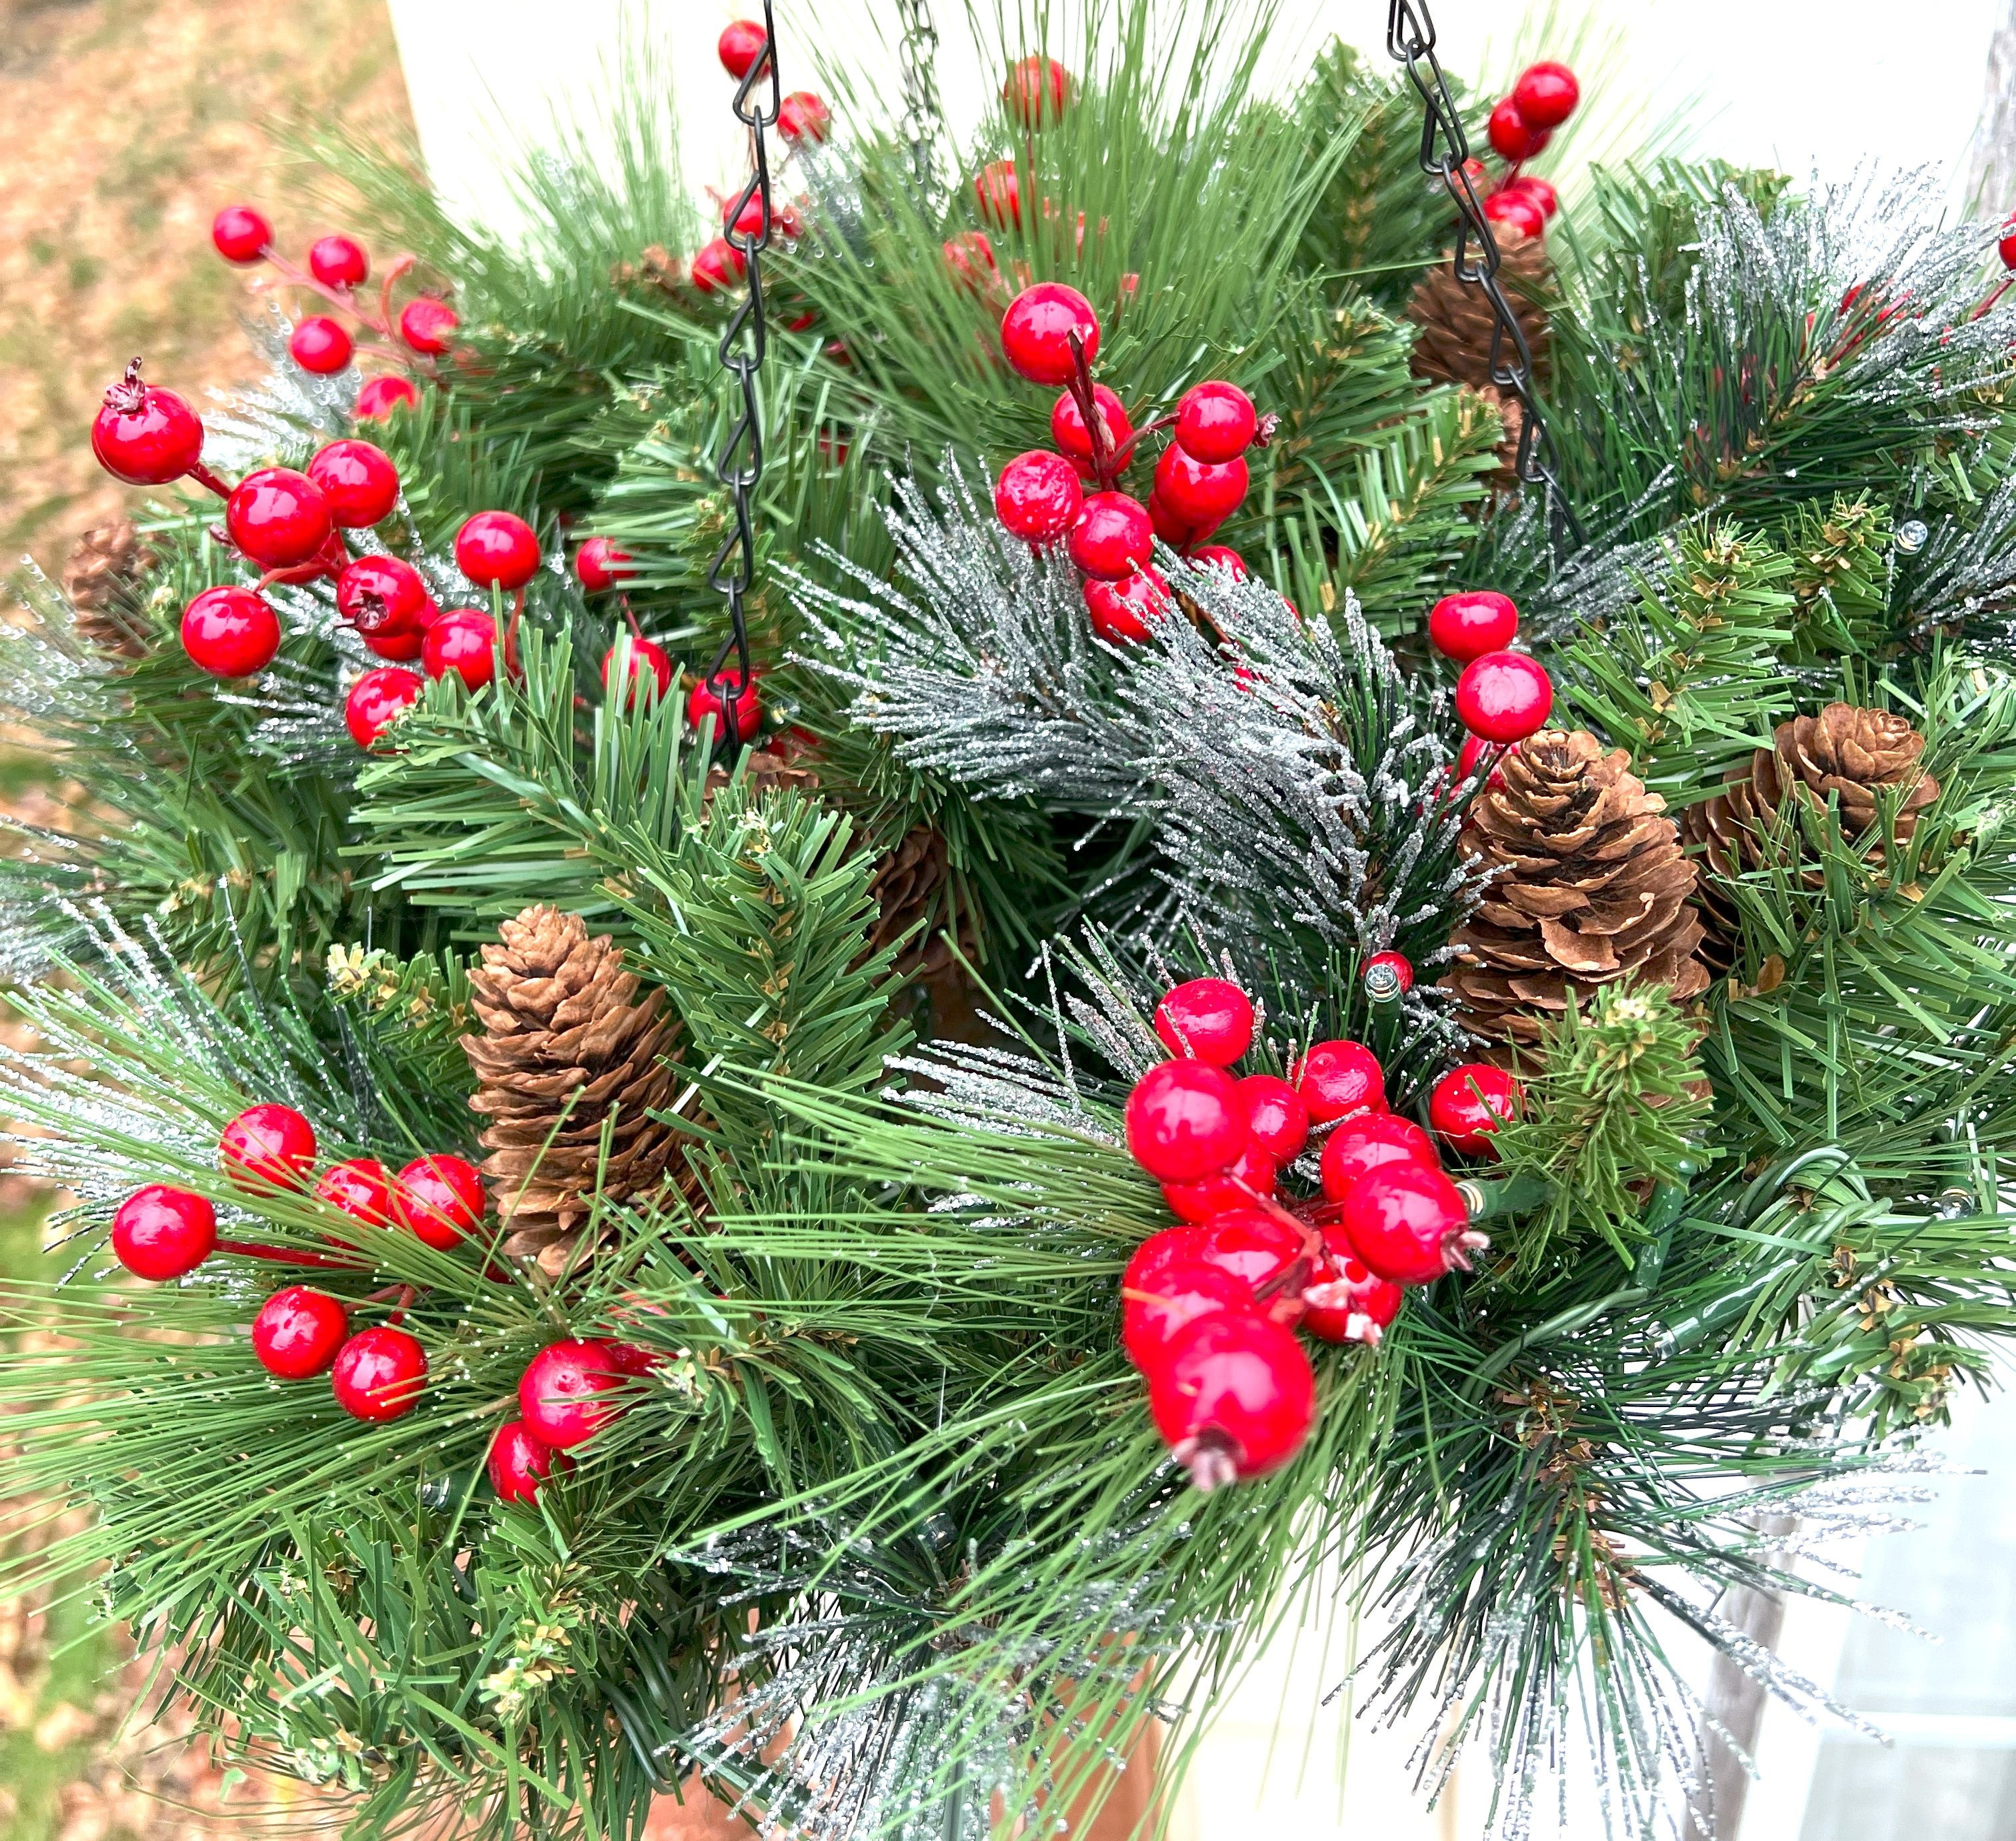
<point>924,120</point>
<point>1410,40</point>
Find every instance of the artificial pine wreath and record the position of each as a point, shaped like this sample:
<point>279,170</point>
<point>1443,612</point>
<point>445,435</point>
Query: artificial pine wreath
<point>1460,1057</point>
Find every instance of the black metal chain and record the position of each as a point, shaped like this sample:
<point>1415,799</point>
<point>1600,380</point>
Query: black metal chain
<point>923,119</point>
<point>1410,40</point>
<point>744,343</point>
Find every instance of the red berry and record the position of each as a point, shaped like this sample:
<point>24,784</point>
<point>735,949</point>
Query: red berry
<point>1036,332</point>
<point>1538,189</point>
<point>381,594</point>
<point>1038,496</point>
<point>802,115</point>
<point>320,345</point>
<point>1466,627</point>
<point>1153,1310</point>
<point>1207,1019</point>
<point>1067,427</point>
<point>377,400</point>
<point>378,1374</point>
<point>1111,536</point>
<point>497,550</point>
<point>718,267</point>
<point>161,1233</point>
<point>1254,1174</point>
<point>2006,246</point>
<point>999,195</point>
<point>1503,696</point>
<point>1513,136</point>
<point>1257,1249</point>
<point>1337,1079</point>
<point>1517,211</point>
<point>359,1187</point>
<point>1276,1116</point>
<point>703,701</point>
<point>1468,1104</point>
<point>1357,1305</point>
<point>338,261</point>
<point>144,436</point>
<point>519,1462</point>
<point>971,257</point>
<point>1121,610</point>
<point>1477,753</point>
<point>601,565</point>
<point>266,1146</point>
<point>1398,963</point>
<point>240,234</point>
<point>277,517</point>
<point>439,1199</point>
<point>643,659</point>
<point>1173,530</point>
<point>426,325</point>
<point>377,700</point>
<point>1036,91</point>
<point>1233,1397</point>
<point>746,224</point>
<point>1217,556</point>
<point>561,1393</point>
<point>1185,1121</point>
<point>1359,1146</point>
<point>1407,1222</point>
<point>1200,492</point>
<point>1546,94</point>
<point>739,45</point>
<point>1215,422</point>
<point>463,641</point>
<point>358,481</point>
<point>298,1331</point>
<point>230,632</point>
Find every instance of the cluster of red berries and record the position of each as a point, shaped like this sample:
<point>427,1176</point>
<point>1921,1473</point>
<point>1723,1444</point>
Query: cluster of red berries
<point>1504,695</point>
<point>564,1398</point>
<point>337,267</point>
<point>1050,336</point>
<point>1036,94</point>
<point>1522,125</point>
<point>1209,1308</point>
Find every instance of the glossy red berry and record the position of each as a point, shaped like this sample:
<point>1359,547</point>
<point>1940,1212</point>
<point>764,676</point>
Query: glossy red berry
<point>1157,1304</point>
<point>439,1199</point>
<point>1349,1303</point>
<point>1067,427</point>
<point>1038,496</point>
<point>1233,1397</point>
<point>1407,1223</point>
<point>1217,556</point>
<point>746,224</point>
<point>230,632</point>
<point>519,1461</point>
<point>1517,211</point>
<point>463,641</point>
<point>1397,964</point>
<point>1185,1121</point>
<point>1546,94</point>
<point>1538,189</point>
<point>1467,626</point>
<point>428,325</point>
<point>381,594</point>
<point>338,261</point>
<point>1176,532</point>
<point>1036,332</point>
<point>1111,536</point>
<point>1259,1250</point>
<point>497,550</point>
<point>1036,92</point>
<point>2006,246</point>
<point>1254,1174</point>
<point>1337,1079</point>
<point>564,1393</point>
<point>360,1187</point>
<point>601,566</point>
<point>1122,612</point>
<point>144,436</point>
<point>717,266</point>
<point>240,234</point>
<point>802,117</point>
<point>702,701</point>
<point>358,481</point>
<point>267,1146</point>
<point>379,1374</point>
<point>1468,1104</point>
<point>1512,138</point>
<point>320,346</point>
<point>970,256</point>
<point>1208,1020</point>
<point>277,517</point>
<point>644,661</point>
<point>1200,492</point>
<point>378,398</point>
<point>999,194</point>
<point>1478,753</point>
<point>298,1331</point>
<point>1359,1146</point>
<point>1215,422</point>
<point>1504,697</point>
<point>1276,1116</point>
<point>161,1233</point>
<point>377,700</point>
<point>739,45</point>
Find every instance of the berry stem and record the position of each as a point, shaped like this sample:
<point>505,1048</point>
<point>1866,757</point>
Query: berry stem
<point>398,1316</point>
<point>204,476</point>
<point>1988,306</point>
<point>343,298</point>
<point>1087,407</point>
<point>284,1256</point>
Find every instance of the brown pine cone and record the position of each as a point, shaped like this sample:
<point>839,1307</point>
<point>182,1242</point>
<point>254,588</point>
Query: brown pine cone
<point>913,883</point>
<point>567,1041</point>
<point>1591,885</point>
<point>102,582</point>
<point>1455,321</point>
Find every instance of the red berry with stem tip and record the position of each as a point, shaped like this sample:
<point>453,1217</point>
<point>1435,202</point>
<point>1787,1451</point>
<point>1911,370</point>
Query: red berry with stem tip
<point>1233,1397</point>
<point>1337,1079</point>
<point>1276,1116</point>
<point>1157,1304</point>
<point>1121,611</point>
<point>1036,332</point>
<point>1546,94</point>
<point>497,550</point>
<point>1398,963</point>
<point>320,346</point>
<point>358,481</point>
<point>1504,697</point>
<point>381,594</point>
<point>518,1460</point>
<point>1215,422</point>
<point>1038,496</point>
<point>739,45</point>
<point>643,661</point>
<point>1348,1302</point>
<point>240,234</point>
<point>277,517</point>
<point>1538,189</point>
<point>718,267</point>
<point>230,632</point>
<point>802,115</point>
<point>1359,1146</point>
<point>361,1187</point>
<point>144,436</point>
<point>338,261</point>
<point>267,1146</point>
<point>1517,211</point>
<point>564,1392</point>
<point>2006,246</point>
<point>1200,492</point>
<point>1254,1174</point>
<point>600,565</point>
<point>1478,753</point>
<point>1512,138</point>
<point>439,1200</point>
<point>1185,1121</point>
<point>1468,1104</point>
<point>1067,427</point>
<point>970,256</point>
<point>1208,1020</point>
<point>702,701</point>
<point>1217,556</point>
<point>379,398</point>
<point>161,1233</point>
<point>378,1375</point>
<point>1036,92</point>
<point>1111,536</point>
<point>1467,626</point>
<point>298,1331</point>
<point>377,700</point>
<point>463,641</point>
<point>1408,1223</point>
<point>427,325</point>
<point>999,194</point>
